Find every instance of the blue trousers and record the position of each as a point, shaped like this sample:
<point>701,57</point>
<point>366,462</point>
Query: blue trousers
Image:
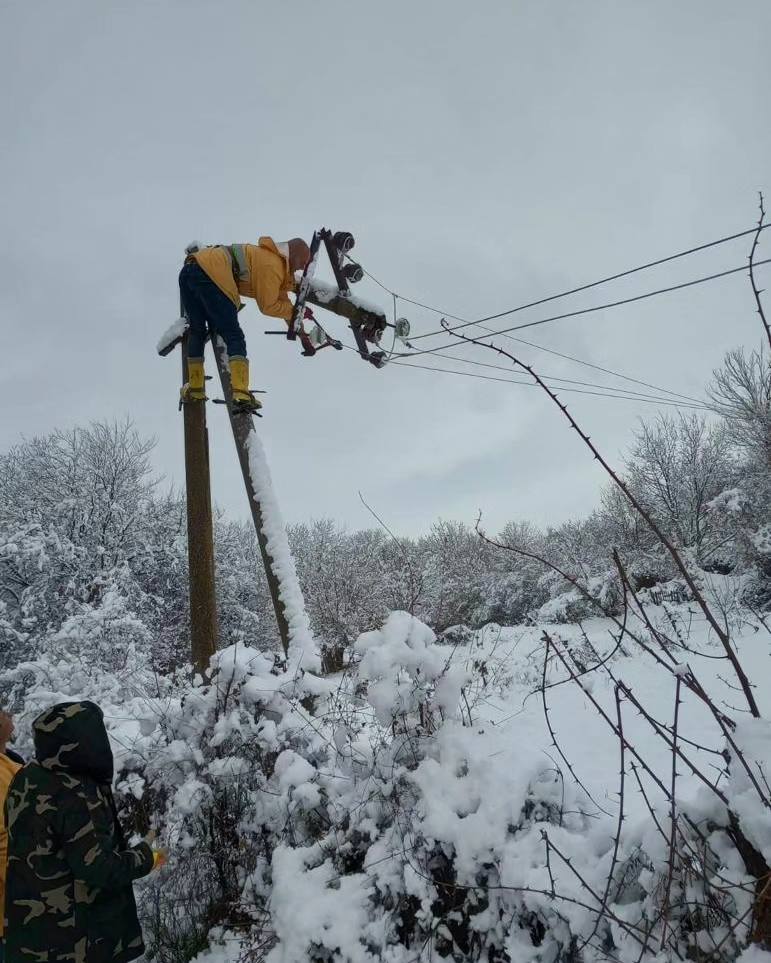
<point>208,310</point>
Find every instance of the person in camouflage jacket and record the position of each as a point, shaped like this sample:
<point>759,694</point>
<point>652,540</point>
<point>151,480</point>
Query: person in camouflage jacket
<point>69,894</point>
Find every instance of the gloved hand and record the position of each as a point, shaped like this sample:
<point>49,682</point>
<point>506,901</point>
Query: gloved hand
<point>160,856</point>
<point>308,315</point>
<point>308,347</point>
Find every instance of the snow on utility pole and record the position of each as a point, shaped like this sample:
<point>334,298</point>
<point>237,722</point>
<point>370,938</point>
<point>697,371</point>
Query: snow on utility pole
<point>243,433</point>
<point>288,604</point>
<point>200,532</point>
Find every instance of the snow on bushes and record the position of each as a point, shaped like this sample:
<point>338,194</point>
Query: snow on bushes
<point>382,816</point>
<point>403,667</point>
<point>438,828</point>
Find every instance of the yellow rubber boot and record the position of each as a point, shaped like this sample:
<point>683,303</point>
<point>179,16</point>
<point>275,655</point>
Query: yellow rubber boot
<point>194,388</point>
<point>239,382</point>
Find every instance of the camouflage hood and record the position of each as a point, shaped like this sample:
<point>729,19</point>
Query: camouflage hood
<point>69,896</point>
<point>71,737</point>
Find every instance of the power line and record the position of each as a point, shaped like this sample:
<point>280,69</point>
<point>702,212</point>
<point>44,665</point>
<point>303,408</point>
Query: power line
<point>530,384</point>
<point>576,290</point>
<point>404,358</point>
<point>464,322</point>
<point>588,364</point>
<point>597,367</point>
<point>622,274</point>
<point>607,391</point>
<point>553,378</point>
<point>582,311</point>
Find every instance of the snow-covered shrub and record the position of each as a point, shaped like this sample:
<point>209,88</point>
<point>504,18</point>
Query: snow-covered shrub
<point>227,770</point>
<point>435,845</point>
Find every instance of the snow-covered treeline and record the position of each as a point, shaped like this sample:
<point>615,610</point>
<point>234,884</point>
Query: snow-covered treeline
<point>81,518</point>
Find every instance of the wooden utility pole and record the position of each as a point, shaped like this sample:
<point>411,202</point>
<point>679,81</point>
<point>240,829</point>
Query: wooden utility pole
<point>200,531</point>
<point>243,426</point>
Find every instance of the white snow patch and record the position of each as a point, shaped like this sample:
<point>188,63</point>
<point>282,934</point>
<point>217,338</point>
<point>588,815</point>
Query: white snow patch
<point>732,500</point>
<point>303,652</point>
<point>754,954</point>
<point>305,909</point>
<point>325,293</point>
<point>748,789</point>
<point>172,334</point>
<point>190,795</point>
<point>292,770</point>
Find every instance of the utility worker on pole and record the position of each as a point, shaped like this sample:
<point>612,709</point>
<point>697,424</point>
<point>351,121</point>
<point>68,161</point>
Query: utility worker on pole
<point>212,282</point>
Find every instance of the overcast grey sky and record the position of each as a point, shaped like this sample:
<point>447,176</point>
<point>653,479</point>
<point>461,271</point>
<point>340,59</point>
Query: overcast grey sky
<point>484,154</point>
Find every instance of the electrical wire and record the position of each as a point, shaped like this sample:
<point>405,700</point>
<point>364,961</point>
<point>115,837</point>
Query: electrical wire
<point>597,367</point>
<point>558,354</point>
<point>567,357</point>
<point>529,384</point>
<point>464,322</point>
<point>583,311</point>
<point>576,290</point>
<point>555,378</point>
<point>606,391</point>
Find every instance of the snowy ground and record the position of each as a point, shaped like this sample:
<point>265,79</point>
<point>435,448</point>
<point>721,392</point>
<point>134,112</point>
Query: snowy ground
<point>515,716</point>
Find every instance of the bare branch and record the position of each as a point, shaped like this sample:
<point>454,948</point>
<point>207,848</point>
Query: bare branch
<point>755,289</point>
<point>672,817</point>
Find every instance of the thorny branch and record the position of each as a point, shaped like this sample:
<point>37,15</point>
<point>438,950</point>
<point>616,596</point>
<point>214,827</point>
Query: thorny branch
<point>617,838</point>
<point>613,726</point>
<point>672,817</point>
<point>549,726</point>
<point>755,289</point>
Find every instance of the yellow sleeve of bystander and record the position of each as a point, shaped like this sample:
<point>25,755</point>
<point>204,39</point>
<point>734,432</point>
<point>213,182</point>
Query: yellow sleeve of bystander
<point>8,770</point>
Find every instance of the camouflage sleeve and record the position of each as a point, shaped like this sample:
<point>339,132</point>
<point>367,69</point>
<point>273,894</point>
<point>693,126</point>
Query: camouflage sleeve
<point>92,854</point>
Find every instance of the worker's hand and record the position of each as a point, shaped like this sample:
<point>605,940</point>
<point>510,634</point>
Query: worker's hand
<point>308,315</point>
<point>160,858</point>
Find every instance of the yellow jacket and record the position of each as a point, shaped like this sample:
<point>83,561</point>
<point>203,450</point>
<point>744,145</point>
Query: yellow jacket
<point>8,770</point>
<point>268,282</point>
